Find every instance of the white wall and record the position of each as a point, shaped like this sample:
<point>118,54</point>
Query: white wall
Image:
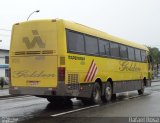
<point>2,60</point>
<point>3,53</point>
<point>2,72</point>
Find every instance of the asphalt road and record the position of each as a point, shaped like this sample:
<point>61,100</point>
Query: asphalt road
<point>127,106</point>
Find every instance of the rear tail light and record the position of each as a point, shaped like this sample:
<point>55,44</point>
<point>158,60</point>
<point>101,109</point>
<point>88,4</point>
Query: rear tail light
<point>61,73</point>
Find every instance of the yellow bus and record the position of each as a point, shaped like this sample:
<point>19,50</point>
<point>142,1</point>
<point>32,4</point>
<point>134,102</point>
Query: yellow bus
<point>59,59</point>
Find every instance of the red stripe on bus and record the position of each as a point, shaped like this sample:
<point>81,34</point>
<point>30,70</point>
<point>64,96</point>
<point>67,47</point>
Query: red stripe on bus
<point>91,72</point>
<point>88,70</point>
<point>94,74</point>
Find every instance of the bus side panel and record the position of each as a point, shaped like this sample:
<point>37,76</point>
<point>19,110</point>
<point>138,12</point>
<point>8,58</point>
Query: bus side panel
<point>126,75</point>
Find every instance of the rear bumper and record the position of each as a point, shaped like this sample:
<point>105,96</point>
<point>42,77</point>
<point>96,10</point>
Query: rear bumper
<point>31,91</point>
<point>61,90</point>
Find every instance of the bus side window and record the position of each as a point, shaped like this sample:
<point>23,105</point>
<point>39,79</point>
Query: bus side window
<point>143,56</point>
<point>114,50</point>
<point>131,53</point>
<point>75,42</point>
<point>123,52</point>
<point>104,48</point>
<point>138,55</point>
<point>91,44</point>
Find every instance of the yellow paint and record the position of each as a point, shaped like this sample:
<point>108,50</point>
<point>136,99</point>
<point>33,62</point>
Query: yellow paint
<point>26,69</point>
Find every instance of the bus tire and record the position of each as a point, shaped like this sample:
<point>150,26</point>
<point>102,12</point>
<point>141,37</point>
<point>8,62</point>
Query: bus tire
<point>107,93</point>
<point>141,91</point>
<point>114,97</point>
<point>96,94</point>
<point>50,99</point>
<point>86,101</point>
<point>57,100</point>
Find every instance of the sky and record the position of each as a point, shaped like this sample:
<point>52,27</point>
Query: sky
<point>134,20</point>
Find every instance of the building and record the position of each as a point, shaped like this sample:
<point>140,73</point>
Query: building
<point>4,63</point>
<point>156,71</point>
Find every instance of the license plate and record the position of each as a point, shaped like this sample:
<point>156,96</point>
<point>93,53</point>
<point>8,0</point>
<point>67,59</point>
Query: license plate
<point>32,83</point>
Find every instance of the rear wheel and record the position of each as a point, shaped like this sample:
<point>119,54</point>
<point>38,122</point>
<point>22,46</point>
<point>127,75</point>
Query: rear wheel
<point>141,91</point>
<point>96,94</point>
<point>54,99</point>
<point>107,92</point>
<point>50,99</point>
<point>114,97</point>
<point>86,101</point>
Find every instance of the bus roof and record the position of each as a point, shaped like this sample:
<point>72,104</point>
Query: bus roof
<point>94,32</point>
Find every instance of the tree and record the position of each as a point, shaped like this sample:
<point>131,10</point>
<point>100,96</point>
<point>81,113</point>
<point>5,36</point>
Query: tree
<point>155,54</point>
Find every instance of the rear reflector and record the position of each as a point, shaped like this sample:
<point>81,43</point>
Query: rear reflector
<point>50,89</point>
<point>61,74</point>
<point>15,88</point>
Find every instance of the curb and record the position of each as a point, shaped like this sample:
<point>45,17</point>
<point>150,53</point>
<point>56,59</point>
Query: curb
<point>155,80</point>
<point>10,96</point>
<point>4,89</point>
<point>6,96</point>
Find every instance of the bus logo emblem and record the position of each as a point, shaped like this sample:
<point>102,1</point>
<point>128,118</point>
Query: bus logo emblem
<point>36,40</point>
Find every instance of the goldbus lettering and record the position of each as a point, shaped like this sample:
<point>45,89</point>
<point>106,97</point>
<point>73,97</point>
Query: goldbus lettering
<point>126,66</point>
<point>25,73</point>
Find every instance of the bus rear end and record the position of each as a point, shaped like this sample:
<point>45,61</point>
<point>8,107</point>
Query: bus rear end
<point>33,58</point>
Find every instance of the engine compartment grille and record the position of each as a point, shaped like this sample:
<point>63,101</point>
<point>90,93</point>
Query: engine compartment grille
<point>25,53</point>
<point>73,83</point>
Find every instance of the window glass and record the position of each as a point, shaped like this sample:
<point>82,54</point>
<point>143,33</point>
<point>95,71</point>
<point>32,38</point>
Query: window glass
<point>131,55</point>
<point>143,56</point>
<point>114,48</point>
<point>138,55</point>
<point>104,47</point>
<point>75,41</point>
<point>6,59</point>
<point>91,45</point>
<point>123,52</point>
<point>6,73</point>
